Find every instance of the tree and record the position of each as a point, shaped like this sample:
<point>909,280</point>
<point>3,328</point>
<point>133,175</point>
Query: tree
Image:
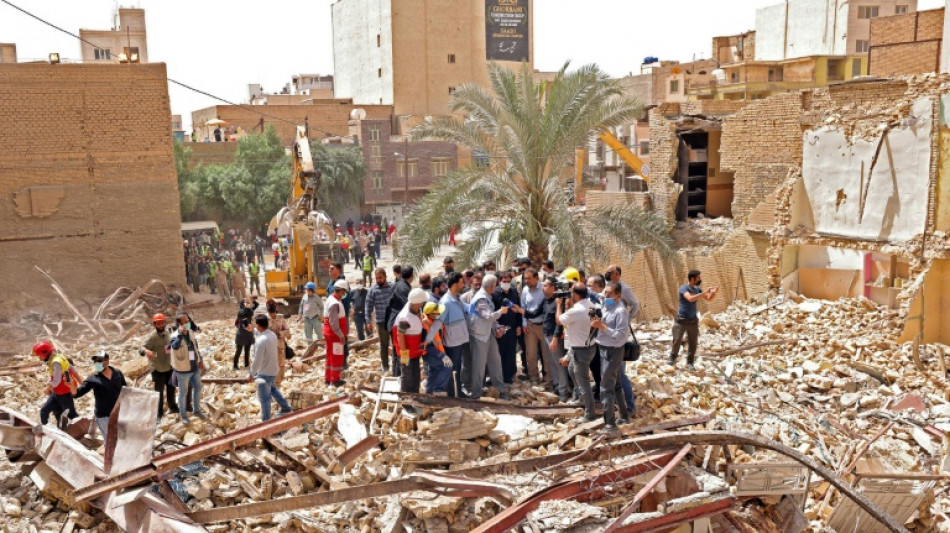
<point>529,133</point>
<point>187,189</point>
<point>343,171</point>
<point>252,188</point>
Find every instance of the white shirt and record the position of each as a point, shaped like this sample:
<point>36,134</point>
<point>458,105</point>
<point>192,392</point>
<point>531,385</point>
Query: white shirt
<point>415,323</point>
<point>576,321</point>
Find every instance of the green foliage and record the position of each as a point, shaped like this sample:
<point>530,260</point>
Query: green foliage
<point>253,188</point>
<point>518,203</point>
<point>343,170</point>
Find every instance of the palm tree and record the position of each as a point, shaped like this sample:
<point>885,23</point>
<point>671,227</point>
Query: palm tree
<point>530,133</point>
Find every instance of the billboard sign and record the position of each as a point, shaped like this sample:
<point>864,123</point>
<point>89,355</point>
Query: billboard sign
<point>506,30</point>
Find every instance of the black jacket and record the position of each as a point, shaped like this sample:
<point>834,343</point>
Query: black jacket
<point>245,316</point>
<point>397,301</point>
<point>105,391</point>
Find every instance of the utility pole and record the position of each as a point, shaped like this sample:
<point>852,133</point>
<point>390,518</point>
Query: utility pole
<point>405,198</point>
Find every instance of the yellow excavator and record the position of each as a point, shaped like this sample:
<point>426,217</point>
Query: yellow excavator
<point>309,231</point>
<point>626,154</point>
<point>619,148</point>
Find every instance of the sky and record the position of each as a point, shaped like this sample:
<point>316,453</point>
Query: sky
<point>220,46</point>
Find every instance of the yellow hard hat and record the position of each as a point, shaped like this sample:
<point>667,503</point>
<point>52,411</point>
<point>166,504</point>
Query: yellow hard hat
<point>571,274</point>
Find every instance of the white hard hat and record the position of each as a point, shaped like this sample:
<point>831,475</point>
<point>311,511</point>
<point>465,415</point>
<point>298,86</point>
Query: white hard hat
<point>341,285</point>
<point>418,296</point>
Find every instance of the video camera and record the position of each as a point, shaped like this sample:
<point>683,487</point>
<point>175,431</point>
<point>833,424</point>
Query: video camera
<point>596,311</point>
<point>563,289</point>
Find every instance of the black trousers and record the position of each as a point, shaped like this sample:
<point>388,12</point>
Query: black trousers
<point>58,404</point>
<point>410,377</point>
<point>508,349</point>
<point>161,381</point>
<point>247,354</point>
<point>596,370</point>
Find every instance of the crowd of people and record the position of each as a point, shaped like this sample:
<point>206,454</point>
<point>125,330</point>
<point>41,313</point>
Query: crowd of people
<point>230,264</point>
<point>463,333</point>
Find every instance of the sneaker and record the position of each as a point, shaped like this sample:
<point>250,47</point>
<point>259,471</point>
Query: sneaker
<point>671,360</point>
<point>283,412</point>
<point>609,428</point>
<point>623,421</point>
<point>173,410</point>
<point>410,410</point>
<point>200,415</point>
<point>691,367</point>
<point>503,396</point>
<point>563,398</point>
<point>584,419</point>
<point>185,421</point>
<point>338,383</point>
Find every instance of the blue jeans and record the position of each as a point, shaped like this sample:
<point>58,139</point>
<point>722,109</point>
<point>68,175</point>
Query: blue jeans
<point>103,424</point>
<point>455,354</point>
<point>360,320</point>
<point>438,375</point>
<point>266,389</point>
<point>186,381</point>
<point>378,251</point>
<point>628,392</point>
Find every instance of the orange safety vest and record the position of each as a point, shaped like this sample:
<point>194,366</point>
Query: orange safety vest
<point>437,340</point>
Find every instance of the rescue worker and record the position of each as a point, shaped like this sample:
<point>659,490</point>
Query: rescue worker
<point>105,384</point>
<point>311,313</point>
<point>221,282</point>
<point>60,396</point>
<point>407,333</point>
<point>335,329</point>
<point>159,358</point>
<point>254,272</point>
<point>438,364</point>
<point>237,282</point>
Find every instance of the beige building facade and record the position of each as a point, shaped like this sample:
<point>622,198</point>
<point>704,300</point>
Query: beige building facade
<point>127,36</point>
<point>412,54</point>
<point>802,28</point>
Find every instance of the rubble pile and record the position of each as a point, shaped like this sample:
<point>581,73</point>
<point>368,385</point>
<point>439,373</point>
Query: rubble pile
<point>824,378</point>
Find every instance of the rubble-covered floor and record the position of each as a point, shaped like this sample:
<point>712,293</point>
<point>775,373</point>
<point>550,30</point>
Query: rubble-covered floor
<point>835,382</point>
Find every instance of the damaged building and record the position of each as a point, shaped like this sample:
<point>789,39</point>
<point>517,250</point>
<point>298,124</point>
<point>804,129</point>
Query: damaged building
<point>88,180</point>
<point>828,193</point>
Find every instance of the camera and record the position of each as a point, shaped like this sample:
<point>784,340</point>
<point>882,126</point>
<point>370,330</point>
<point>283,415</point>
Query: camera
<point>506,303</point>
<point>563,286</point>
<point>596,311</point>
<point>562,295</point>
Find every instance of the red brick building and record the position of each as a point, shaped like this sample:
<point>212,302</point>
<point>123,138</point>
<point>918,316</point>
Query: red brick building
<point>390,158</point>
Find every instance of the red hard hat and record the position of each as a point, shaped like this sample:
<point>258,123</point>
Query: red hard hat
<point>158,318</point>
<point>43,349</point>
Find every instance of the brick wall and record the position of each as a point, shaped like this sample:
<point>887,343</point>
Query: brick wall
<point>907,58</point>
<point>760,144</point>
<point>333,118</point>
<point>906,44</point>
<point>393,186</point>
<point>88,181</point>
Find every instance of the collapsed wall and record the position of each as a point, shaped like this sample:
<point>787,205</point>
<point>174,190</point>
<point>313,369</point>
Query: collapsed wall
<point>88,181</point>
<point>835,192</point>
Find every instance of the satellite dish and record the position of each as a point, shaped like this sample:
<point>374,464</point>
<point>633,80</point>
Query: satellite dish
<point>358,114</point>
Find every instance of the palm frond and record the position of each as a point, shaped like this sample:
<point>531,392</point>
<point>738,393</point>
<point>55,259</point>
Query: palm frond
<point>633,228</point>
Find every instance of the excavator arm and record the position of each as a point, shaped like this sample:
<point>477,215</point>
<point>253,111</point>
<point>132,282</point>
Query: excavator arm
<point>626,154</point>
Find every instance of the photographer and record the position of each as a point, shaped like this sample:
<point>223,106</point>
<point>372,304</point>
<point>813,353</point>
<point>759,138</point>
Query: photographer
<point>687,317</point>
<point>613,329</point>
<point>576,322</point>
<point>551,347</point>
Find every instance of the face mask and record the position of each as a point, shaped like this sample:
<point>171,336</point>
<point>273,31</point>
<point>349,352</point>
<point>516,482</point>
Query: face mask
<point>608,301</point>
<point>99,367</point>
<point>505,286</point>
